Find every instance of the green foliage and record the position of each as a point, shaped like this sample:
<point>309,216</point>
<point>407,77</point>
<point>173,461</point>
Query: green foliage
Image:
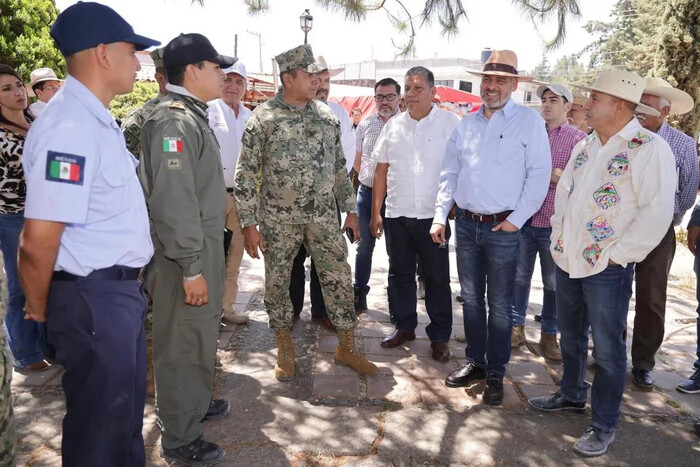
<point>654,37</point>
<point>143,92</point>
<point>677,57</point>
<point>25,43</point>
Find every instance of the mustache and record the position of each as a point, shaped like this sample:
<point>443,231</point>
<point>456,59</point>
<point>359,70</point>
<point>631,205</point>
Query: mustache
<point>641,117</point>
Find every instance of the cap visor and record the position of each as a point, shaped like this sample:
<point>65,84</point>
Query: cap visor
<point>224,60</point>
<point>142,42</point>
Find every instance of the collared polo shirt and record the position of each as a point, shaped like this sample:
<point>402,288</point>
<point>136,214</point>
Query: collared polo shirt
<point>80,173</point>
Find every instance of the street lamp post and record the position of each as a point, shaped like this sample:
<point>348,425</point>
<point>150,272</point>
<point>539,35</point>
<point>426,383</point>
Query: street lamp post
<point>306,22</point>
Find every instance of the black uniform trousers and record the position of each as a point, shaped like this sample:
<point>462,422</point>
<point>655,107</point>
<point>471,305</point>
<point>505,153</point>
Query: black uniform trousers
<point>96,323</point>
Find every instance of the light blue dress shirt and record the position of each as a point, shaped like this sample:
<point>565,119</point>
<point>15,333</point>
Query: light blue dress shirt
<point>80,173</point>
<point>497,164</point>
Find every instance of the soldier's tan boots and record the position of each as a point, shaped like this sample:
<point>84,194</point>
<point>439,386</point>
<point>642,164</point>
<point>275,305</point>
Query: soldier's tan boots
<point>284,370</point>
<point>346,353</point>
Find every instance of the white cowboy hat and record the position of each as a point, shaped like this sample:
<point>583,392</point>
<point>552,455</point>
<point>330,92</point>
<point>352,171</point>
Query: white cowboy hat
<point>622,84</point>
<point>681,102</point>
<point>502,63</point>
<point>39,75</point>
<point>324,67</point>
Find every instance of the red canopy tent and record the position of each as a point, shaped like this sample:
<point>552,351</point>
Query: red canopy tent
<point>462,101</point>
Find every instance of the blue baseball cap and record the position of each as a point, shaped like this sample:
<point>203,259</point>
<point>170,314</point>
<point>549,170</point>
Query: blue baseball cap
<point>87,24</point>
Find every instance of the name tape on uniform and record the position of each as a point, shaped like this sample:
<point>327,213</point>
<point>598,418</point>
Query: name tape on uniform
<point>65,168</point>
<point>172,144</point>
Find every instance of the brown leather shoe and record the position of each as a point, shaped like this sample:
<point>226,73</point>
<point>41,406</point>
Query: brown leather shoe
<point>397,338</point>
<point>325,322</point>
<point>441,351</point>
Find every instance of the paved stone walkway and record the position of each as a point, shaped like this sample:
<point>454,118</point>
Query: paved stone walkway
<point>405,415</point>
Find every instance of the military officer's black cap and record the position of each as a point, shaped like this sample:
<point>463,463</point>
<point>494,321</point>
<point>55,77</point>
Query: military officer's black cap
<point>193,48</point>
<point>87,24</point>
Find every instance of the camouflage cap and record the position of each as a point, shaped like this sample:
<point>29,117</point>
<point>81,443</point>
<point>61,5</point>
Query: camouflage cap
<point>298,57</point>
<point>157,56</point>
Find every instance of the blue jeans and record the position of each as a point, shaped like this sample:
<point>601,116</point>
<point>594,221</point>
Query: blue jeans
<point>534,241</point>
<point>486,257</point>
<point>410,237</point>
<point>26,337</point>
<point>602,301</point>
<point>696,268</point>
<point>365,248</point>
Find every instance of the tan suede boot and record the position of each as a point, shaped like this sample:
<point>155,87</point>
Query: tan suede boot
<point>517,337</point>
<point>284,370</point>
<point>346,353</point>
<point>550,347</point>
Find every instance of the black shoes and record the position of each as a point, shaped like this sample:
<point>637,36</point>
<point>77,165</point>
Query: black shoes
<point>642,378</point>
<point>360,301</point>
<point>493,392</point>
<point>556,403</point>
<point>467,373</point>
<point>218,408</point>
<point>198,453</point>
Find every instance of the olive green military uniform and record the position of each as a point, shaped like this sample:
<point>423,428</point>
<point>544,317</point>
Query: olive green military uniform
<point>182,177</point>
<point>134,120</point>
<point>298,155</point>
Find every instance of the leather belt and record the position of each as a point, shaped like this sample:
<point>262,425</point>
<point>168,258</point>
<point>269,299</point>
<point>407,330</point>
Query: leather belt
<point>487,218</point>
<point>115,273</point>
<point>229,190</point>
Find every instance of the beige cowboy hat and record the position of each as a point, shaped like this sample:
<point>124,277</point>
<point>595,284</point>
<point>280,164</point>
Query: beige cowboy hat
<point>502,63</point>
<point>324,67</point>
<point>681,102</point>
<point>39,75</point>
<point>622,84</point>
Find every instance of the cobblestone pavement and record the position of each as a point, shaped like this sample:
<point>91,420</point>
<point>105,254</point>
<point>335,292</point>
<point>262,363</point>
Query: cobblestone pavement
<point>405,415</point>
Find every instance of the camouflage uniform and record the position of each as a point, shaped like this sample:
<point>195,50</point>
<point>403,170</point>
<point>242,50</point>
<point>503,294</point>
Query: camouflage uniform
<point>7,425</point>
<point>131,126</point>
<point>298,155</point>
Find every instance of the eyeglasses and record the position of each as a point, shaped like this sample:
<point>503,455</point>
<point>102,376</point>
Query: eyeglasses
<point>388,97</point>
<point>52,87</point>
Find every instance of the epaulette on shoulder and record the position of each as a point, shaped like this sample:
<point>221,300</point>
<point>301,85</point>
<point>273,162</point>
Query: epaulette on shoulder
<point>177,105</point>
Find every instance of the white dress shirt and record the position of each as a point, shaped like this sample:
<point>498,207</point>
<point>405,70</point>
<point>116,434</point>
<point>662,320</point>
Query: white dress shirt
<point>37,107</point>
<point>414,150</point>
<point>347,136</point>
<point>228,130</point>
<point>613,201</point>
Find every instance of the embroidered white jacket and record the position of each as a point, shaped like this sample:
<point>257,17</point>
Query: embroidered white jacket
<point>613,201</point>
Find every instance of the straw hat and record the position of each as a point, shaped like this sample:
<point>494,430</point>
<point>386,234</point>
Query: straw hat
<point>502,63</point>
<point>38,76</point>
<point>622,84</point>
<point>324,67</point>
<point>681,102</point>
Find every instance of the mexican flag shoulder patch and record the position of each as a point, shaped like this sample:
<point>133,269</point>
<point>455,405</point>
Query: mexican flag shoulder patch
<point>172,144</point>
<point>65,168</point>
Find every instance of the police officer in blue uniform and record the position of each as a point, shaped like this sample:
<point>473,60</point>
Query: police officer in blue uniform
<point>86,239</point>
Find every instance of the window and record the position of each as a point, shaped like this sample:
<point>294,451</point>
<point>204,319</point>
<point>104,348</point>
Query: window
<point>465,86</point>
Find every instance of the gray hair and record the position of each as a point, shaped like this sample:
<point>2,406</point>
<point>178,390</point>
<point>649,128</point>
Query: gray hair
<point>423,71</point>
<point>663,102</point>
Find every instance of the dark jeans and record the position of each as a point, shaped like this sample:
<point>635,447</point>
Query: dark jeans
<point>25,337</point>
<point>486,263</point>
<point>696,268</point>
<point>534,241</point>
<point>650,301</point>
<point>602,301</point>
<point>365,249</point>
<point>410,237</point>
<point>97,328</point>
